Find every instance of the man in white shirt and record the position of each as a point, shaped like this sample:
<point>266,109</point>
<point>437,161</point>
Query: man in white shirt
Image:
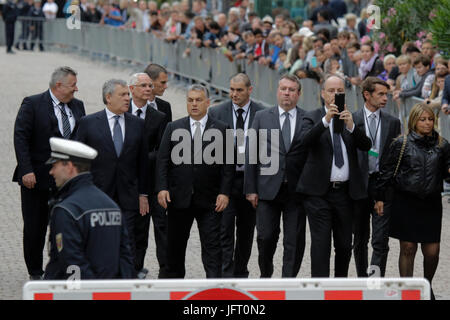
<point>330,180</point>
<point>50,9</point>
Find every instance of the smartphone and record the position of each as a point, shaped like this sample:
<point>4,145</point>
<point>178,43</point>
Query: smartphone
<point>314,62</point>
<point>339,101</point>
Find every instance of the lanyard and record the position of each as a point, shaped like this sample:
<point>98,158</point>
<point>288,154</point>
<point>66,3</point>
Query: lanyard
<point>376,131</point>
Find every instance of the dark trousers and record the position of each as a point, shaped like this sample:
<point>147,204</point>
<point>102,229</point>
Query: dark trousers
<point>141,233</point>
<point>37,33</point>
<point>9,30</point>
<point>179,227</point>
<point>328,215</point>
<point>35,220</point>
<point>24,34</point>
<point>129,218</point>
<point>239,213</point>
<point>268,214</point>
<point>364,209</point>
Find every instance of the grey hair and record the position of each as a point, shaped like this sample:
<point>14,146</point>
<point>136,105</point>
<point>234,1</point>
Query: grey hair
<point>59,74</point>
<point>109,87</point>
<point>135,78</point>
<point>199,87</point>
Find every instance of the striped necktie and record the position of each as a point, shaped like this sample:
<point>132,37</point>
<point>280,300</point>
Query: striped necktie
<point>65,121</point>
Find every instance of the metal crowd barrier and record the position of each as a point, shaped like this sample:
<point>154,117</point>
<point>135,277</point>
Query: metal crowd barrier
<point>203,65</point>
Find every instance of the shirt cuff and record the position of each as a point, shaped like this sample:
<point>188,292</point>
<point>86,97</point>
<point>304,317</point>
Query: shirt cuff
<point>143,195</point>
<point>325,123</point>
<point>353,128</point>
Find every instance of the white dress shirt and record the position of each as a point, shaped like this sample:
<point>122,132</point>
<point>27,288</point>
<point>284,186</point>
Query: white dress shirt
<point>202,124</point>
<point>375,143</point>
<point>292,117</point>
<point>111,120</point>
<point>58,114</point>
<point>135,108</point>
<point>338,174</point>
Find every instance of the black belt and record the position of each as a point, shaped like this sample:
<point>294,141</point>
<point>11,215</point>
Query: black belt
<point>338,184</point>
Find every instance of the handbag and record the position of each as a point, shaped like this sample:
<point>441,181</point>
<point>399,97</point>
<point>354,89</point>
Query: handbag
<point>402,151</point>
<point>390,191</point>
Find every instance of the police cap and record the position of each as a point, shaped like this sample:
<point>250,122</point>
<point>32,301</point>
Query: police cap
<point>69,150</point>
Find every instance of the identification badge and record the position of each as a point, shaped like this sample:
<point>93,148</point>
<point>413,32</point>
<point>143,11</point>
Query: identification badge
<point>241,149</point>
<point>373,153</point>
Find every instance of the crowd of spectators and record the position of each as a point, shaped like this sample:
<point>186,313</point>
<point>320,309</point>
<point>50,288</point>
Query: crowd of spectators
<point>334,40</point>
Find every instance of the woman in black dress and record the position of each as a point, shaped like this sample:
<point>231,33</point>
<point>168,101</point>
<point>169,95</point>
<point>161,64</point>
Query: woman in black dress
<point>416,215</point>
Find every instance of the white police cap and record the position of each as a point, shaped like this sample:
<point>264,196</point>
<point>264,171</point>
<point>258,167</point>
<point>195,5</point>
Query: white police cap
<point>69,150</point>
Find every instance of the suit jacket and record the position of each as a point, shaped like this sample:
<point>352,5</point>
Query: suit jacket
<point>315,177</point>
<point>390,128</point>
<point>154,124</point>
<point>189,183</point>
<point>35,124</point>
<point>290,161</point>
<point>164,107</point>
<point>122,178</point>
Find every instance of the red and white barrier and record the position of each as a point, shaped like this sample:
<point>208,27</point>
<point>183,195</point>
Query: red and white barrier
<point>232,289</point>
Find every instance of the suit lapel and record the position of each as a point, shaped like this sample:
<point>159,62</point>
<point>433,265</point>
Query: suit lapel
<point>328,133</point>
<point>275,118</point>
<point>209,125</point>
<point>252,114</point>
<point>384,127</point>
<point>51,114</point>
<point>298,123</point>
<point>128,133</point>
<point>103,127</point>
<point>229,115</point>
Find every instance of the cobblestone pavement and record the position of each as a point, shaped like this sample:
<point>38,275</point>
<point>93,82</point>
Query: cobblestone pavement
<point>28,73</point>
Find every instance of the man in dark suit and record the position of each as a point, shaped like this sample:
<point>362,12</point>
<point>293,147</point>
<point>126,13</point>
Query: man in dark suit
<point>330,180</point>
<point>155,122</point>
<point>159,77</point>
<point>274,193</point>
<point>194,184</point>
<point>53,113</point>
<point>9,14</point>
<point>238,114</point>
<point>381,128</point>
<point>120,169</point>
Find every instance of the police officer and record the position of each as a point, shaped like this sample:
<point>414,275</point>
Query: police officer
<point>87,235</point>
<point>9,13</point>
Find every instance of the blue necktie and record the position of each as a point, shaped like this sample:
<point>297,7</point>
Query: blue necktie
<point>117,135</point>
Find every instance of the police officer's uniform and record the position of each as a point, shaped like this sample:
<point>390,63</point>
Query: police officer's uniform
<point>87,234</point>
<point>9,13</point>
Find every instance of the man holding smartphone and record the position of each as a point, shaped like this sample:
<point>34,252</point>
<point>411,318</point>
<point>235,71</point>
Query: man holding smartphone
<point>330,181</point>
